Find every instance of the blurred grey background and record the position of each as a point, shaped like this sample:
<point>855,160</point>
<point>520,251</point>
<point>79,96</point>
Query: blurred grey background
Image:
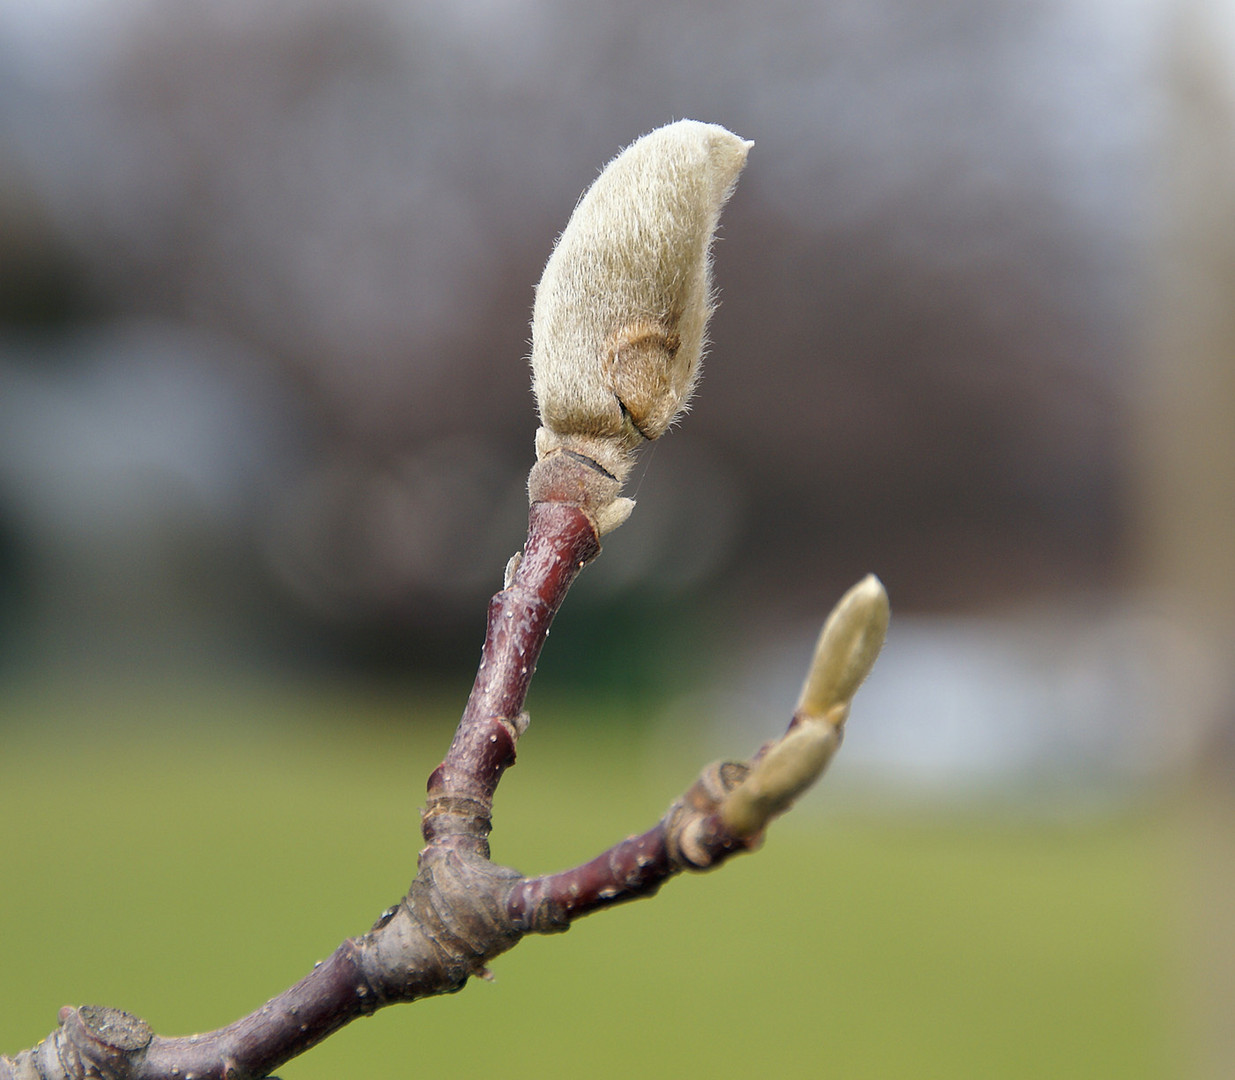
<point>265,279</point>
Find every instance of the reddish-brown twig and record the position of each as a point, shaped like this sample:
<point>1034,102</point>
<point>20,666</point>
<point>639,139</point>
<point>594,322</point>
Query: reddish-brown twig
<point>604,382</point>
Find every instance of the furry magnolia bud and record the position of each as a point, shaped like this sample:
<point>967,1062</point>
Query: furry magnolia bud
<point>621,310</point>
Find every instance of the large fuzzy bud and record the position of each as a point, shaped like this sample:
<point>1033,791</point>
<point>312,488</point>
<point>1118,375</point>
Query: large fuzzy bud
<point>621,310</point>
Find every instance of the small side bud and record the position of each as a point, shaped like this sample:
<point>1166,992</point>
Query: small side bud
<point>846,651</point>
<point>788,768</point>
<point>848,646</point>
<point>621,310</point>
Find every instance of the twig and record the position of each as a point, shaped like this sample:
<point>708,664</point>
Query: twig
<point>618,333</point>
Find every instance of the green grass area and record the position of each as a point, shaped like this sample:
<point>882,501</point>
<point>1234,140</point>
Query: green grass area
<point>186,860</point>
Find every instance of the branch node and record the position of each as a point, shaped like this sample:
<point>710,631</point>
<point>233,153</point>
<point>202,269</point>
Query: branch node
<point>458,901</point>
<point>92,1041</point>
<point>694,836</point>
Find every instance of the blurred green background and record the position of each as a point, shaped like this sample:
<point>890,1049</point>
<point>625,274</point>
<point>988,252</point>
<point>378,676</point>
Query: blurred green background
<point>187,856</point>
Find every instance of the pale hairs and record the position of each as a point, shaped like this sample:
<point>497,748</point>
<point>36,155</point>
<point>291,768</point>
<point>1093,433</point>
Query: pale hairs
<point>621,311</point>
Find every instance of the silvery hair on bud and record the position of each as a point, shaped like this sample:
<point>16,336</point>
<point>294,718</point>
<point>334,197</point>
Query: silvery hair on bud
<point>622,307</point>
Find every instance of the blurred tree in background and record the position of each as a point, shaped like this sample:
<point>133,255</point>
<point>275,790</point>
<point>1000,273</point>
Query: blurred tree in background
<point>318,222</point>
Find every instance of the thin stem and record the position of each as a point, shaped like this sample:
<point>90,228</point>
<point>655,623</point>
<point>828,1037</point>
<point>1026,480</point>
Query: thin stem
<point>561,540</point>
<point>636,867</point>
<point>691,836</point>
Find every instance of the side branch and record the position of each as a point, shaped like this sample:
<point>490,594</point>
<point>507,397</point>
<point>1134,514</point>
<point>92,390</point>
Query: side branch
<point>731,804</point>
<point>691,836</point>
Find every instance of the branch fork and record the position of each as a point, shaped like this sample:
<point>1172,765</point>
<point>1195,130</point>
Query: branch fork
<point>618,333</point>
